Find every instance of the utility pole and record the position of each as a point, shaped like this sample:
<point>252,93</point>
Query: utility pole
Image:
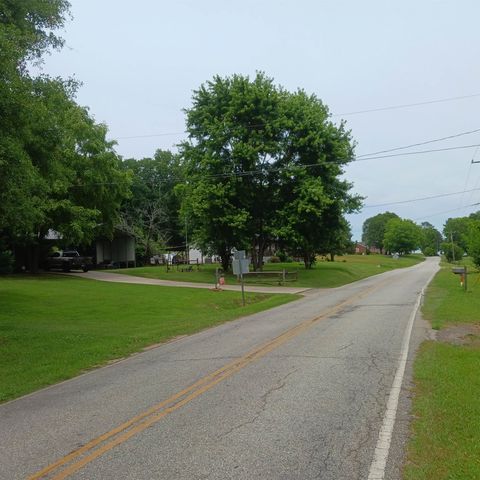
<point>453,247</point>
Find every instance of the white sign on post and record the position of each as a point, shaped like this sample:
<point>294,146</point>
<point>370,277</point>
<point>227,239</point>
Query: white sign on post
<point>241,266</point>
<point>239,254</point>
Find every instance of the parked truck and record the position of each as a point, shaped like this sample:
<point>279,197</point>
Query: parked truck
<point>67,260</point>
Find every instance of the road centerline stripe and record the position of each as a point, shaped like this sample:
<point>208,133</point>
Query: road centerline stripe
<point>140,422</point>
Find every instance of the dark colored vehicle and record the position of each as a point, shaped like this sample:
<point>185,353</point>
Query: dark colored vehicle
<point>67,260</point>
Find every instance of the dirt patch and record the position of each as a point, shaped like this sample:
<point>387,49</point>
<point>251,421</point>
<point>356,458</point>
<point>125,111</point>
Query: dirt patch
<point>466,334</point>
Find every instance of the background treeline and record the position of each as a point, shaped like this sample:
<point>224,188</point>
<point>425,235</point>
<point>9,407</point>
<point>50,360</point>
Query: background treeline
<point>388,233</point>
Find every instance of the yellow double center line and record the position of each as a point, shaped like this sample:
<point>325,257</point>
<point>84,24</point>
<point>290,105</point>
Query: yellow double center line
<point>86,454</point>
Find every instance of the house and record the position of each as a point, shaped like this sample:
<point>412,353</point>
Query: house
<point>362,249</point>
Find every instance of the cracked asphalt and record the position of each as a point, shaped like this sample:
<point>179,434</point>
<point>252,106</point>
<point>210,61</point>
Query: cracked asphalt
<point>308,407</point>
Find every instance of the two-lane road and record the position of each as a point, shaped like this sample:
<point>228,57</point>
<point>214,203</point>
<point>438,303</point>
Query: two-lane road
<point>297,392</point>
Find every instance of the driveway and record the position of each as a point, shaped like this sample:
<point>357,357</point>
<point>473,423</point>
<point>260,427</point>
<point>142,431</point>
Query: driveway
<point>120,278</point>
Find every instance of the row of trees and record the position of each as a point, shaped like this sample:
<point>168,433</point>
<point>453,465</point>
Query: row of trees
<point>261,166</point>
<point>389,233</point>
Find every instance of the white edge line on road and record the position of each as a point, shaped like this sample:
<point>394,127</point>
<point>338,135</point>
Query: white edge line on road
<point>379,463</point>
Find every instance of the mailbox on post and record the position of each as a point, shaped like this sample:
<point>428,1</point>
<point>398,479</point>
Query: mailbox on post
<point>462,271</point>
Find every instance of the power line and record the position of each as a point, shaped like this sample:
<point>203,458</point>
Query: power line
<point>468,176</point>
<point>391,107</point>
<point>421,143</point>
<point>445,211</point>
<point>246,173</point>
<point>419,199</point>
<point>418,152</point>
<point>407,105</point>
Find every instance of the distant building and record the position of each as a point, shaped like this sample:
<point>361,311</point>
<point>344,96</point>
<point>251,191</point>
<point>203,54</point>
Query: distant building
<point>362,249</point>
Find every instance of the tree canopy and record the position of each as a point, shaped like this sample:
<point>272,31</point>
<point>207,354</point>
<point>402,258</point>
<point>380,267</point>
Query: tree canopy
<point>373,231</point>
<point>57,169</point>
<point>263,166</point>
<point>402,236</point>
<point>430,240</point>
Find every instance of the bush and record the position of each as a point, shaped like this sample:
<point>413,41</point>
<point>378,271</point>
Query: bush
<point>429,252</point>
<point>451,253</point>
<point>284,258</point>
<point>274,259</point>
<point>6,262</point>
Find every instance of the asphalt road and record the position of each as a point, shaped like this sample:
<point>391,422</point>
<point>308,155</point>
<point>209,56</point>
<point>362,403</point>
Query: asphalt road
<point>298,392</point>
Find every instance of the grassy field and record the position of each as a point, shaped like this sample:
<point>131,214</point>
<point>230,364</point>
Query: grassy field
<point>345,269</point>
<point>53,328</point>
<point>445,444</point>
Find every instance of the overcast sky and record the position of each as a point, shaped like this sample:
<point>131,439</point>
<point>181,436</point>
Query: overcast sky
<point>140,61</point>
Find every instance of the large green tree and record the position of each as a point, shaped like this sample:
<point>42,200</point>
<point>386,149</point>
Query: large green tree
<point>263,165</point>
<point>312,198</point>
<point>235,132</point>
<point>27,30</point>
<point>402,236</point>
<point>57,169</point>
<point>374,228</point>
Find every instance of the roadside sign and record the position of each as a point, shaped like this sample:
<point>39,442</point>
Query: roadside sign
<point>239,254</point>
<point>240,266</point>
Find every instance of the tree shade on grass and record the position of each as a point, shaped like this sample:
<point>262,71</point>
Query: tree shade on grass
<point>53,328</point>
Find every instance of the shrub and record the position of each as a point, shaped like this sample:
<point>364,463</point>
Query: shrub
<point>274,259</point>
<point>284,258</point>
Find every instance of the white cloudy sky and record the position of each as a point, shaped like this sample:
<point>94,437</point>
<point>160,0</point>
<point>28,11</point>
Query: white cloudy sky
<point>139,62</point>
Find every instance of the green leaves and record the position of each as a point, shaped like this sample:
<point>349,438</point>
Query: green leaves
<point>263,165</point>
<point>374,229</point>
<point>402,236</point>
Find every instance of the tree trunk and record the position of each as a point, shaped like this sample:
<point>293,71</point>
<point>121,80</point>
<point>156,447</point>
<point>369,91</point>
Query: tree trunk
<point>332,257</point>
<point>258,249</point>
<point>308,260</point>
<point>253,255</point>
<point>225,257</point>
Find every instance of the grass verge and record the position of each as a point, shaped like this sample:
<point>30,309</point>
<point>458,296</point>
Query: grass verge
<point>445,443</point>
<point>346,269</point>
<point>52,328</point>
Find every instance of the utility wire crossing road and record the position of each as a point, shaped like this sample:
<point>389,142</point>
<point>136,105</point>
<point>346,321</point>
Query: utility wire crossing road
<point>301,391</point>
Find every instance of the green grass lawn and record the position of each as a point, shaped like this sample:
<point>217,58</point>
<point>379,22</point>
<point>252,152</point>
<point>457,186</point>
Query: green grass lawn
<point>446,301</point>
<point>345,269</point>
<point>446,431</point>
<point>53,328</point>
